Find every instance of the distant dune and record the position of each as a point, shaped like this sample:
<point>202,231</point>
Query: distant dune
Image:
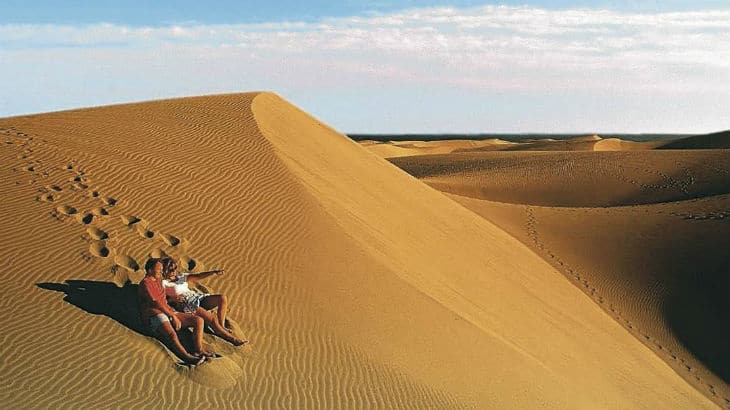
<point>588,179</point>
<point>707,141</point>
<point>391,149</point>
<point>358,285</point>
<point>643,233</point>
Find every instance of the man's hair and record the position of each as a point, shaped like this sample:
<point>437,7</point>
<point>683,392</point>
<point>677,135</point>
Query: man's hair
<point>150,264</point>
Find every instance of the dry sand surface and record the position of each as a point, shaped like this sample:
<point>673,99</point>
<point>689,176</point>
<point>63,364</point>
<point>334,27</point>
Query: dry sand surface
<point>358,285</point>
<point>644,233</point>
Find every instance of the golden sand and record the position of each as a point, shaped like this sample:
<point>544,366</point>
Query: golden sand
<point>645,234</point>
<point>358,285</point>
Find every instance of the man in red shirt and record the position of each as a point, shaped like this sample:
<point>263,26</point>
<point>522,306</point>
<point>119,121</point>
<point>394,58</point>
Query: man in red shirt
<point>163,320</point>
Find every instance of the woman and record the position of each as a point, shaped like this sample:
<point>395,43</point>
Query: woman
<point>188,300</point>
<point>163,321</point>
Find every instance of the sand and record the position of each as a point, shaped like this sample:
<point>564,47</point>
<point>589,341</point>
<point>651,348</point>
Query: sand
<point>358,285</point>
<point>643,233</point>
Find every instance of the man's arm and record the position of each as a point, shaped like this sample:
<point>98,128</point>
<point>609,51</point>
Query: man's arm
<point>161,305</point>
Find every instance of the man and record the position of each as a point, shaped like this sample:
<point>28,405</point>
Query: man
<point>165,321</point>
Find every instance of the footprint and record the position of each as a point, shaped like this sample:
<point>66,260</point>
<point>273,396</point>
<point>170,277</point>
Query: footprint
<point>94,194</point>
<point>129,220</point>
<point>170,239</point>
<point>54,188</point>
<point>127,262</point>
<point>158,253</point>
<point>85,218</point>
<point>46,198</point>
<point>98,249</point>
<point>99,211</point>
<point>30,168</point>
<point>145,233</point>
<point>108,201</point>
<point>188,263</point>
<point>66,210</point>
<point>96,233</point>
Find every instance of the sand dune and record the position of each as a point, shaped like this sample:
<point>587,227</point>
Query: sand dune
<point>358,285</point>
<point>658,266</point>
<point>586,179</point>
<point>392,149</point>
<point>706,141</point>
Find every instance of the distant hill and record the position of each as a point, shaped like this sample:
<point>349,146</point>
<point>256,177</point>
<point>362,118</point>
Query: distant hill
<point>705,141</point>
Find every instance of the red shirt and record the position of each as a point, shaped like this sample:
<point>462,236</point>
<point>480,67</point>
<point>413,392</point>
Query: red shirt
<point>150,295</point>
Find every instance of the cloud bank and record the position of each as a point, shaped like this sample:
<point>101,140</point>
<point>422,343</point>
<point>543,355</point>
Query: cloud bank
<point>490,49</point>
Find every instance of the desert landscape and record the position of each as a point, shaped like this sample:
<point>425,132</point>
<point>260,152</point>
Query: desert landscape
<point>444,274</point>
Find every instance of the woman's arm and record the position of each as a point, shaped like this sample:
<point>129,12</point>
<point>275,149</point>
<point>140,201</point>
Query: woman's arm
<point>194,277</point>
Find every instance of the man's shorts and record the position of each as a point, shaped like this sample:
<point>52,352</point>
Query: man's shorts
<point>157,320</point>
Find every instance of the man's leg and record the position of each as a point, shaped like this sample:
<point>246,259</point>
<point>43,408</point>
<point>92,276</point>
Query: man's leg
<point>168,336</point>
<point>196,322</point>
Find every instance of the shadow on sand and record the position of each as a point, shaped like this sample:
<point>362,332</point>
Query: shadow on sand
<point>103,298</point>
<point>107,299</point>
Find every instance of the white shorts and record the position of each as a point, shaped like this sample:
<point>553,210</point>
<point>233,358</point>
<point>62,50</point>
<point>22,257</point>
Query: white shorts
<point>157,320</point>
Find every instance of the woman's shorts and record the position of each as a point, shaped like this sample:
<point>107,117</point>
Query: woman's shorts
<point>190,302</point>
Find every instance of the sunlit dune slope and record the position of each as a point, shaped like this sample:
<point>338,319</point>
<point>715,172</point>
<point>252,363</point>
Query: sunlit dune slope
<point>583,179</point>
<point>358,285</point>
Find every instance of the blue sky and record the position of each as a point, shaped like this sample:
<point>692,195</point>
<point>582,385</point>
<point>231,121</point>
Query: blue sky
<point>170,12</point>
<point>380,66</point>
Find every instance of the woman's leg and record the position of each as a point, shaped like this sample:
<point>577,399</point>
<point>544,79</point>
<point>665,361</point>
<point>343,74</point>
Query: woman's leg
<point>196,322</point>
<point>219,330</point>
<point>216,301</point>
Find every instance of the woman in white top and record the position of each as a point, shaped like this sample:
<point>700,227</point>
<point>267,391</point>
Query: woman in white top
<point>188,300</point>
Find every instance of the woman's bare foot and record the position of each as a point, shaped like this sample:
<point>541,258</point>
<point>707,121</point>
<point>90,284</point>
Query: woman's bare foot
<point>237,341</point>
<point>206,354</point>
<point>195,360</point>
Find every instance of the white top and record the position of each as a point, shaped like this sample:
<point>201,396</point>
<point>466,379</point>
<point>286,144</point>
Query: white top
<point>174,289</point>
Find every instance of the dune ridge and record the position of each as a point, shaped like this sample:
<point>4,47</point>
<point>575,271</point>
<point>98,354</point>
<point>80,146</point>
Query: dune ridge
<point>342,270</point>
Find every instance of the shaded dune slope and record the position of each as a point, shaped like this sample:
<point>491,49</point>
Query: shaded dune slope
<point>706,141</point>
<point>358,285</point>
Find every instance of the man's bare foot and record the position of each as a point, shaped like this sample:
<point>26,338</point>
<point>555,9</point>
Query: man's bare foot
<point>207,354</point>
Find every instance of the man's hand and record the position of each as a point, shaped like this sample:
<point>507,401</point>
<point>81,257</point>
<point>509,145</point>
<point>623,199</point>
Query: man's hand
<point>176,323</point>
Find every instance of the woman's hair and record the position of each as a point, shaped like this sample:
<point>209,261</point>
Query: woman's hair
<point>150,264</point>
<point>168,265</point>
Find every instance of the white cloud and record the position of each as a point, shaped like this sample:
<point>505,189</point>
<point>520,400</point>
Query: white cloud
<point>490,48</point>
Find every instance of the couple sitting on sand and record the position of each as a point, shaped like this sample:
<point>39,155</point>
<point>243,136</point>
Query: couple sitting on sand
<point>161,283</point>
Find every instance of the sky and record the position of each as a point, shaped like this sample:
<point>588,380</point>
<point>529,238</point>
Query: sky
<point>386,66</point>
